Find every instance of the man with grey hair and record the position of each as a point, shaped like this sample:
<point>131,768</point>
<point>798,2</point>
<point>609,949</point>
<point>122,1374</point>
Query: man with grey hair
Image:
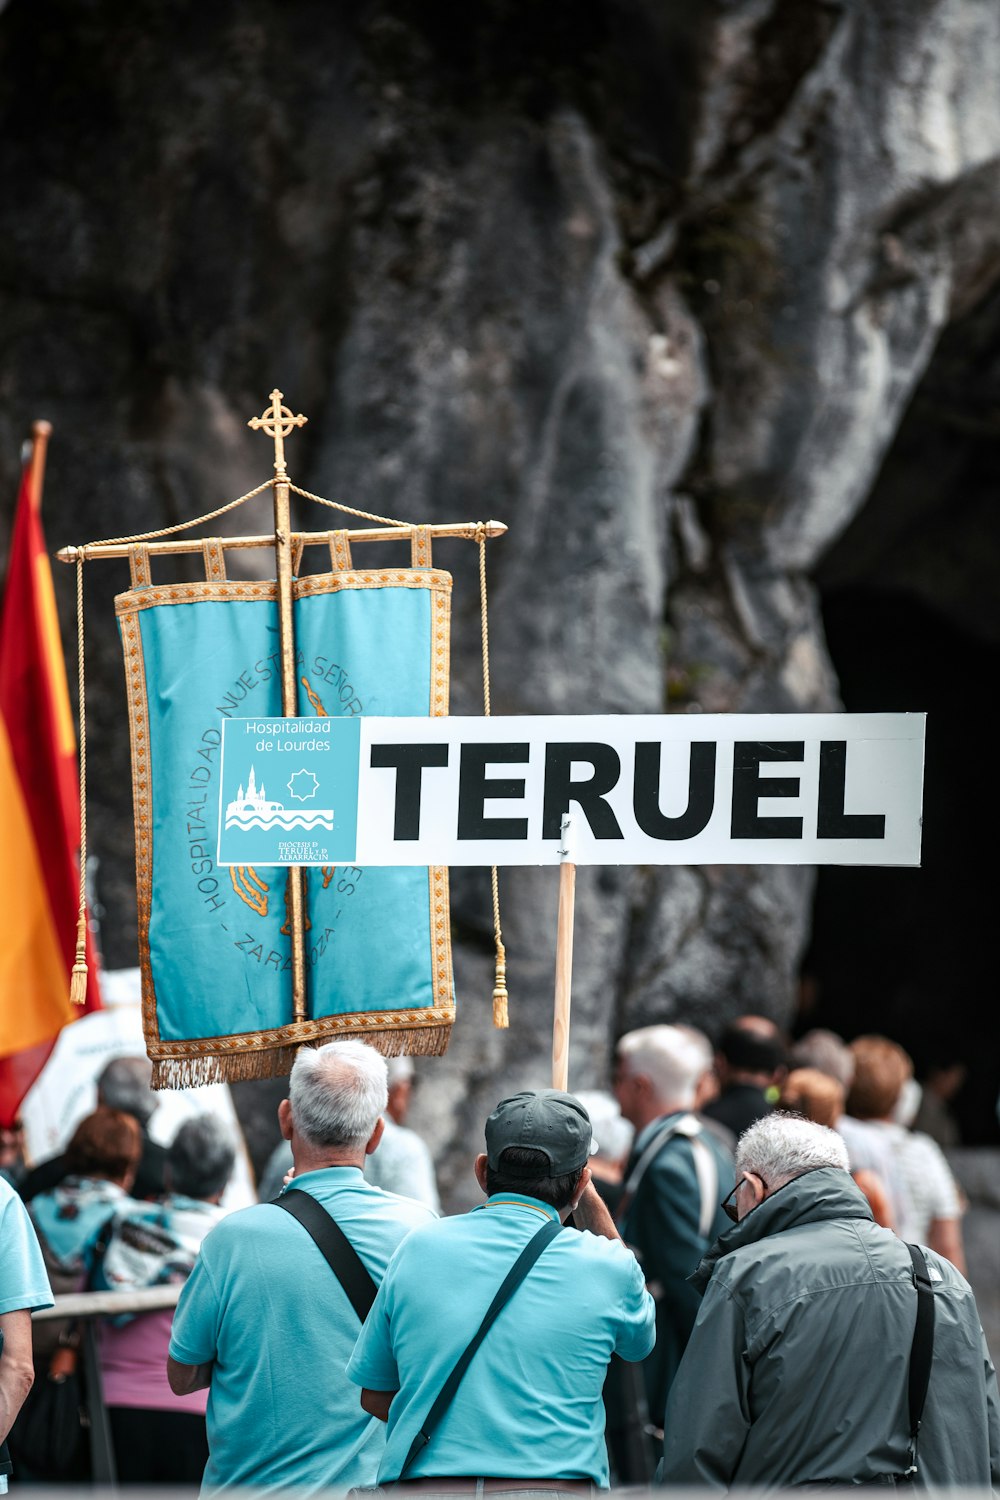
<point>402,1164</point>
<point>806,1337</point>
<point>264,1323</point>
<point>669,1209</point>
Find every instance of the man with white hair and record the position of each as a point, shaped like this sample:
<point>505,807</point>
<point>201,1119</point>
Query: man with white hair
<point>265,1323</point>
<point>669,1209</point>
<point>402,1164</point>
<point>805,1366</point>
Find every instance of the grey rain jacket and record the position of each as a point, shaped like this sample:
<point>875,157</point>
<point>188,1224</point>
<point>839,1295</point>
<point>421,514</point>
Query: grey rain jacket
<point>797,1366</point>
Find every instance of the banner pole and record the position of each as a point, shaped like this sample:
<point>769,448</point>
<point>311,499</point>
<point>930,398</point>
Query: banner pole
<point>40,434</point>
<point>564,959</point>
<point>277,423</point>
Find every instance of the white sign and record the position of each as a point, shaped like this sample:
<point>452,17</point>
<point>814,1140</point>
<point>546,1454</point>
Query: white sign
<point>641,789</point>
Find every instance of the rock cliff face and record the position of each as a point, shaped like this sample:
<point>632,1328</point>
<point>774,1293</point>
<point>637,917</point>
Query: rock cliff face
<point>655,284</point>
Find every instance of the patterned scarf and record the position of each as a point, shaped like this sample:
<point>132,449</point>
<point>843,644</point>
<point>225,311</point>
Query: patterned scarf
<point>70,1217</point>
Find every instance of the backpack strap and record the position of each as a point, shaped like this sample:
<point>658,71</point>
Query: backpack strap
<point>341,1256</point>
<point>704,1165</point>
<point>508,1287</point>
<point>922,1351</point>
<point>707,1171</point>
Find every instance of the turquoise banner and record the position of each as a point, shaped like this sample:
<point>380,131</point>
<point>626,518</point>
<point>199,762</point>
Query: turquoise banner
<point>214,940</point>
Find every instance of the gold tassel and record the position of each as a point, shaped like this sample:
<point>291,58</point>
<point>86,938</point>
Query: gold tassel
<point>500,1018</point>
<point>78,978</point>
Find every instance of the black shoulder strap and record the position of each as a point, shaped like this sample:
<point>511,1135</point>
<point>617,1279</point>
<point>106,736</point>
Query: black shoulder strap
<point>101,1244</point>
<point>922,1351</point>
<point>341,1256</point>
<point>508,1286</point>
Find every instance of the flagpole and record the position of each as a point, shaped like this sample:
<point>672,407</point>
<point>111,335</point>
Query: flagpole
<point>278,422</point>
<point>564,958</point>
<point>40,434</point>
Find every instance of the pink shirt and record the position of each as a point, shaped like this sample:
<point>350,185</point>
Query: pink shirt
<point>134,1366</point>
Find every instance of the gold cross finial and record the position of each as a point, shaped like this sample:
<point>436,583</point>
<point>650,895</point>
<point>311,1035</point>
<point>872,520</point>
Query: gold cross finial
<point>277,422</point>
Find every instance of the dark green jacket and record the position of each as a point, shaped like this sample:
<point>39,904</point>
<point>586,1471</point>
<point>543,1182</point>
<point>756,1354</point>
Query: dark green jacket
<point>796,1369</point>
<point>661,1225</point>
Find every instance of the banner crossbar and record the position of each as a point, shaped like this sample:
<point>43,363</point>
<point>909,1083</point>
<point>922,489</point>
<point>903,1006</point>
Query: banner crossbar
<point>473,531</point>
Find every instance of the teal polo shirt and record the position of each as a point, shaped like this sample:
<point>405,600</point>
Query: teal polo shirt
<point>530,1404</point>
<point>24,1283</point>
<point>264,1306</point>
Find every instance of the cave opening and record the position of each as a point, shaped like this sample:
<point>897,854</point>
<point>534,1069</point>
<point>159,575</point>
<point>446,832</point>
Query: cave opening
<point>911,612</point>
<point>908,953</point>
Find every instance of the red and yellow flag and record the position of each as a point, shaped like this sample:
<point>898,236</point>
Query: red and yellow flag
<point>39,814</point>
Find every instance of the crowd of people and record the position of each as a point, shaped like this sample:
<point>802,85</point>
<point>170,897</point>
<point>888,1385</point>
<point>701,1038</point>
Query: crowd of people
<point>691,1295</point>
<point>119,1212</point>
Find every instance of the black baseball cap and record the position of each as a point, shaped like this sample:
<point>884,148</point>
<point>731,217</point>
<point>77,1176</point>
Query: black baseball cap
<point>548,1121</point>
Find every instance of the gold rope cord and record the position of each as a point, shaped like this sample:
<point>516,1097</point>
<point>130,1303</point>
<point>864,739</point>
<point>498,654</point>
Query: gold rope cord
<point>149,536</point>
<point>500,1015</point>
<point>365,515</point>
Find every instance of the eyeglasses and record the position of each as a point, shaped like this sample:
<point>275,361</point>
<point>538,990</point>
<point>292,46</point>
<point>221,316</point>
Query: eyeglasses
<point>728,1204</point>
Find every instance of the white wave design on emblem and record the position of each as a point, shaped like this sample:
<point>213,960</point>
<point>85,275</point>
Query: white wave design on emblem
<point>320,817</point>
<point>251,809</point>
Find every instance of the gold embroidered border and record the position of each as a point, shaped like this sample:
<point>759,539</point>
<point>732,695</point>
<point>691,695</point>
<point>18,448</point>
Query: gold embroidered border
<point>142,802</point>
<point>303,588</point>
<point>444,992</point>
<point>138,567</point>
<point>374,578</point>
<point>194,593</point>
<point>341,560</point>
<point>215,560</point>
<point>420,547</point>
<point>440,650</point>
<point>298,1032</point>
<point>437,875</point>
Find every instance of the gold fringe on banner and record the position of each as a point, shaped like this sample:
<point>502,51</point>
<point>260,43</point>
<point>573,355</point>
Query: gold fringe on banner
<point>275,1062</point>
<point>193,1072</point>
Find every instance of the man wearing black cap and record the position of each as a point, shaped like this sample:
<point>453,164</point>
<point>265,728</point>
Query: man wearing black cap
<point>527,1412</point>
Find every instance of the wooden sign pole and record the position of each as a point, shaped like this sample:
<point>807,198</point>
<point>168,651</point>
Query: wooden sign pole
<point>278,422</point>
<point>564,959</point>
